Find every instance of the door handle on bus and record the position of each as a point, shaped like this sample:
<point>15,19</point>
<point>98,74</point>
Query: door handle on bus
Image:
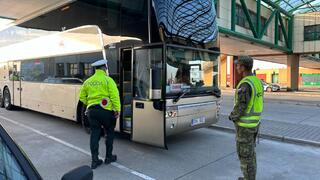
<point>139,105</point>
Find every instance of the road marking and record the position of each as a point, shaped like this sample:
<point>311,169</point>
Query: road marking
<point>115,164</point>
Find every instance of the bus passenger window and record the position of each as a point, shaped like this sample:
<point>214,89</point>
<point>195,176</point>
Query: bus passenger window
<point>60,69</point>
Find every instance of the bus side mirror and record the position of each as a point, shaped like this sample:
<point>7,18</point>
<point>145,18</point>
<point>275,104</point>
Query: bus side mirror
<point>159,105</point>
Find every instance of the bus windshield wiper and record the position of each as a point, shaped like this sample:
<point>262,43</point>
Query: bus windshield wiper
<point>175,100</point>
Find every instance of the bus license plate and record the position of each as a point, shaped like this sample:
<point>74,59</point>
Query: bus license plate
<point>198,121</point>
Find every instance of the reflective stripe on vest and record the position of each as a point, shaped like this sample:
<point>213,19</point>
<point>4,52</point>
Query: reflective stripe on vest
<point>252,115</point>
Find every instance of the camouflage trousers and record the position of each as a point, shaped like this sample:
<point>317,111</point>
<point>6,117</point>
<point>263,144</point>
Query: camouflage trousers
<point>246,142</point>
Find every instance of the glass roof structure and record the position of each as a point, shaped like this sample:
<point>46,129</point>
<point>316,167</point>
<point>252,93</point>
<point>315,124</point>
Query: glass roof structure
<point>299,6</point>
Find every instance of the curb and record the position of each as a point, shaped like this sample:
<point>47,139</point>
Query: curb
<point>299,103</point>
<point>272,137</point>
<point>302,94</point>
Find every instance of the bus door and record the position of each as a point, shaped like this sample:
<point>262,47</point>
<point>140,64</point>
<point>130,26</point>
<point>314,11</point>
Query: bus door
<point>148,122</point>
<point>126,89</point>
<point>16,82</point>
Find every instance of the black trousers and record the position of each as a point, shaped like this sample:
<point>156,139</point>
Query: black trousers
<point>98,118</point>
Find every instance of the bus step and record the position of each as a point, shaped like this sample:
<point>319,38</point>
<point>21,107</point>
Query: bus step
<point>127,76</point>
<point>127,123</point>
<point>127,110</point>
<point>127,98</point>
<point>127,86</point>
<point>127,131</point>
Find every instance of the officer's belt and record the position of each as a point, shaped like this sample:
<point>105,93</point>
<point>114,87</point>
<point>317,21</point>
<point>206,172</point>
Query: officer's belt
<point>96,107</point>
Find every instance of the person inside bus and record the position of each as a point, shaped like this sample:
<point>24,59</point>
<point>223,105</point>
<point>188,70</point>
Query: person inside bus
<point>183,76</point>
<point>101,96</point>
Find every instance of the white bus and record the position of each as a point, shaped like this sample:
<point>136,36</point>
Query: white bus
<point>166,71</point>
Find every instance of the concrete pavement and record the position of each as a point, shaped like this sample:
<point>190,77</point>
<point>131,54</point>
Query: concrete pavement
<point>294,98</point>
<point>201,154</point>
<point>282,119</point>
<point>277,108</point>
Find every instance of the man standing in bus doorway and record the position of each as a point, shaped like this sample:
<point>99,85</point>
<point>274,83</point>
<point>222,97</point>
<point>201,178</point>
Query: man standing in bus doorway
<point>246,116</point>
<point>101,96</point>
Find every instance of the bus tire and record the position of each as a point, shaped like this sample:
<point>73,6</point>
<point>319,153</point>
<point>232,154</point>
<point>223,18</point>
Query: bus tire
<point>1,101</point>
<point>84,120</point>
<point>7,99</point>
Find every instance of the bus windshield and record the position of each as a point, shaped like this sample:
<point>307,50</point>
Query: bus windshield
<point>190,72</point>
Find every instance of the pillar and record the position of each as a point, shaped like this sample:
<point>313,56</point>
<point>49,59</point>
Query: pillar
<point>236,75</point>
<point>230,71</point>
<point>223,71</point>
<point>293,72</point>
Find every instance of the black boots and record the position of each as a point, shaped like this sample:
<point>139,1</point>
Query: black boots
<point>240,178</point>
<point>112,158</point>
<point>108,160</point>
<point>96,163</point>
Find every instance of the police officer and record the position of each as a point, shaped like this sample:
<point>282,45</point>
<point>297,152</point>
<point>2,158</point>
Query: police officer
<point>246,116</point>
<point>101,96</point>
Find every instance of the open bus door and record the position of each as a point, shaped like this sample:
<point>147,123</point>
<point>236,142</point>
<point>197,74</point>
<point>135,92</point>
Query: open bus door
<point>14,76</point>
<point>148,122</point>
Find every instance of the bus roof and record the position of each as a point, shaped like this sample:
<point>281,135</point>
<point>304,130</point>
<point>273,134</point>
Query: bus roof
<point>83,39</point>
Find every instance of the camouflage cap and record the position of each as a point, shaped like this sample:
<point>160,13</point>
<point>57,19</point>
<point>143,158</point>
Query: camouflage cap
<point>245,60</point>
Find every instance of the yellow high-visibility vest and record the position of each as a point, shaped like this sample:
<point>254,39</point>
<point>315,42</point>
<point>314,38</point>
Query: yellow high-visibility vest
<point>100,89</point>
<point>252,115</point>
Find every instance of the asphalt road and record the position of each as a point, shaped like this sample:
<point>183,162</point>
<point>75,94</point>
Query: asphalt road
<point>284,108</point>
<point>56,145</point>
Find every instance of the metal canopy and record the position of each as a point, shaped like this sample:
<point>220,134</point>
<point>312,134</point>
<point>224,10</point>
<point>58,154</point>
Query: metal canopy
<point>298,6</point>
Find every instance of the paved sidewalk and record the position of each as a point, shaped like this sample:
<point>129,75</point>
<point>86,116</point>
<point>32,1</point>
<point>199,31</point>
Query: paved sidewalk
<point>296,98</point>
<point>284,93</point>
<point>283,131</point>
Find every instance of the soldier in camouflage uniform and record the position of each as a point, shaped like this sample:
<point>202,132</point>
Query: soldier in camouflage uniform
<point>247,125</point>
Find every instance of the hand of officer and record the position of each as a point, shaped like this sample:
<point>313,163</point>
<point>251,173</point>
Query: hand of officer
<point>231,118</point>
<point>116,114</point>
<point>86,112</point>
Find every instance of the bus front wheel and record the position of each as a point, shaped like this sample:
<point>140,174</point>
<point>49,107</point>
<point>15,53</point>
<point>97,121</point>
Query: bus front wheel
<point>1,101</point>
<point>7,99</point>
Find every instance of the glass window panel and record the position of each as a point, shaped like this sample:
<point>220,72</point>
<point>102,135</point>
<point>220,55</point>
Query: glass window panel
<point>60,69</point>
<point>144,61</point>
<point>63,69</point>
<point>9,167</point>
<point>241,19</point>
<point>311,33</point>
<point>191,71</point>
<point>263,23</point>
<point>34,70</point>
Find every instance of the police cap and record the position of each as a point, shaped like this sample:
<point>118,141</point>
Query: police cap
<point>99,63</point>
<point>246,61</point>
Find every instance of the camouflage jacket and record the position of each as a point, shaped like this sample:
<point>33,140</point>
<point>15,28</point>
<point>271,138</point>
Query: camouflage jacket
<point>244,96</point>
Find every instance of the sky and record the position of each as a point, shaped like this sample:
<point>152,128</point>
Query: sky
<point>267,65</point>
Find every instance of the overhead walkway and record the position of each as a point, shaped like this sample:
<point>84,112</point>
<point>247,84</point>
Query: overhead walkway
<point>270,30</point>
<point>275,37</point>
